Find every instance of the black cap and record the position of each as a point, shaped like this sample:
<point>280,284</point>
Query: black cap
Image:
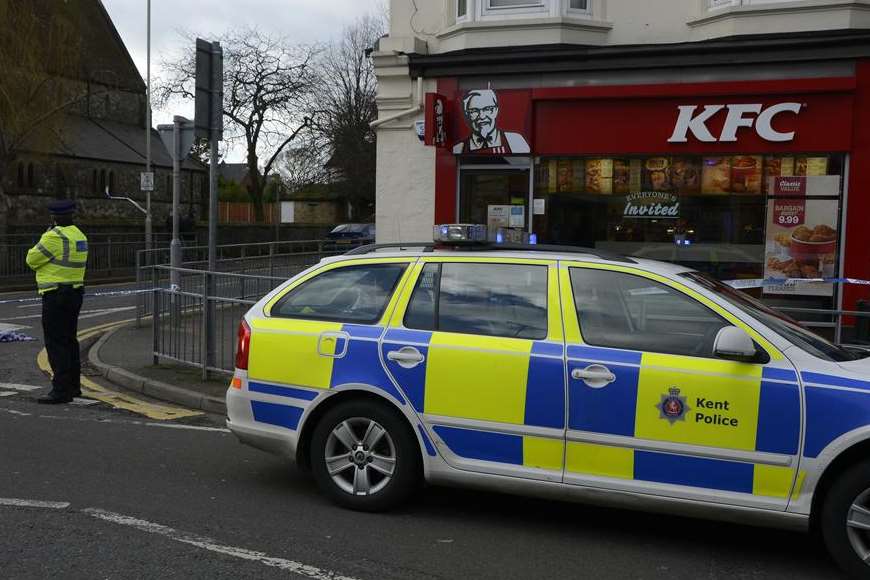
<point>62,207</point>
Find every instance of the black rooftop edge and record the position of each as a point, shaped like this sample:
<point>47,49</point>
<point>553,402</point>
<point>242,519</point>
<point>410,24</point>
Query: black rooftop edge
<point>492,247</point>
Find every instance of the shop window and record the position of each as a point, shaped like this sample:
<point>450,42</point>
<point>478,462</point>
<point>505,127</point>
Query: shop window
<point>733,216</point>
<point>461,9</point>
<point>624,311</point>
<point>578,5</point>
<point>728,3</point>
<point>507,300</point>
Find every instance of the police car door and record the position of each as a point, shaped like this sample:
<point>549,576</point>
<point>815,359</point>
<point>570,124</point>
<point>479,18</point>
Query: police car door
<point>478,350</point>
<point>652,410</point>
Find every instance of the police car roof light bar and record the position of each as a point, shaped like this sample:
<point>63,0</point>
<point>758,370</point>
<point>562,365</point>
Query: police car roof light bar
<point>492,247</point>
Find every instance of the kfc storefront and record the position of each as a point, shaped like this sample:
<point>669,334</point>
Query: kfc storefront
<point>745,180</point>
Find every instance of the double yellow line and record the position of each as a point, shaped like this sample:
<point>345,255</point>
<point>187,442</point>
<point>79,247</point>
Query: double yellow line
<point>94,391</point>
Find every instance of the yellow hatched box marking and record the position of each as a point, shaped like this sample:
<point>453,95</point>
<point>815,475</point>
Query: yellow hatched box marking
<point>600,460</point>
<point>477,377</point>
<point>539,453</point>
<point>772,481</point>
<point>285,351</point>
<point>721,399</point>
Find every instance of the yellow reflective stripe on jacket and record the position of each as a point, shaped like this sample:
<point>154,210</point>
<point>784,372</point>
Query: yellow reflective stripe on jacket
<point>60,258</point>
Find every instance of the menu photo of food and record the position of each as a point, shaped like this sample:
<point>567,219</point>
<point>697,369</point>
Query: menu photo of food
<point>777,167</point>
<point>656,174</point>
<point>569,176</point>
<point>811,166</point>
<point>746,173</point>
<point>685,175</point>
<point>627,176</point>
<point>599,176</point>
<point>716,175</point>
<point>801,244</point>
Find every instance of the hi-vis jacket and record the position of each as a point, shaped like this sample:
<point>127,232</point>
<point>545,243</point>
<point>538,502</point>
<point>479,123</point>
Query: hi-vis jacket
<point>59,258</point>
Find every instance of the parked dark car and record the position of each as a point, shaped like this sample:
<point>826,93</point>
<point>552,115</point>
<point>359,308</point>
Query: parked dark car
<point>359,232</point>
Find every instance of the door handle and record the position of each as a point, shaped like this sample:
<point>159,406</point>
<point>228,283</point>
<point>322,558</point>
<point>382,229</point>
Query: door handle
<point>406,357</point>
<point>595,376</point>
<point>333,344</point>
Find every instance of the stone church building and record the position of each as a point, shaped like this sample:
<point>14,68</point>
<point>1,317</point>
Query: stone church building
<point>99,143</point>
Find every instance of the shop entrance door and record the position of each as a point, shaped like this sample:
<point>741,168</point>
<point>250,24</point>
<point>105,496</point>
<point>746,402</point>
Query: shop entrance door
<point>498,197</point>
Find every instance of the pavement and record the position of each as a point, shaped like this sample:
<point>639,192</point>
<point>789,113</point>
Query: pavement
<point>121,485</point>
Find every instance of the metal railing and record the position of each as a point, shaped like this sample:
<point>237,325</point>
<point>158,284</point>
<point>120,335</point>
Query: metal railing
<point>110,256</point>
<point>195,323</point>
<point>270,259</point>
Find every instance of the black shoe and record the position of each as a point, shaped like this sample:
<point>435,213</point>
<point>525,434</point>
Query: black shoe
<point>76,394</point>
<point>52,399</point>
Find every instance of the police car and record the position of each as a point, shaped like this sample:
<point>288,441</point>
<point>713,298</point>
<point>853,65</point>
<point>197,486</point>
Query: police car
<point>559,372</point>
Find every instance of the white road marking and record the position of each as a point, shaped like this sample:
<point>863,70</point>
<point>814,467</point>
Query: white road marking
<point>83,315</point>
<point>14,412</point>
<point>211,545</point>
<point>32,503</point>
<point>8,393</point>
<point>78,402</point>
<point>11,327</point>
<point>188,427</point>
<point>17,387</point>
<point>177,426</point>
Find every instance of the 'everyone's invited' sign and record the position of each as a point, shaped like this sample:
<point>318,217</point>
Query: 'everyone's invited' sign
<point>652,205</point>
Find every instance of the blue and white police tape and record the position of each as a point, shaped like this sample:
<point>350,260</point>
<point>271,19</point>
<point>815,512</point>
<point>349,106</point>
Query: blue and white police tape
<point>768,282</point>
<point>87,295</point>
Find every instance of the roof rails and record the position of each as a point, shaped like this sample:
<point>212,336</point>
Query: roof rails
<point>493,247</point>
<point>370,248</point>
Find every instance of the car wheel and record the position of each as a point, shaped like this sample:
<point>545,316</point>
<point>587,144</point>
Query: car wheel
<point>364,456</point>
<point>845,520</point>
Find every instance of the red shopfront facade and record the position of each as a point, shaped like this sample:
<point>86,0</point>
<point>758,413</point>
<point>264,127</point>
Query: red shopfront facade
<point>754,179</point>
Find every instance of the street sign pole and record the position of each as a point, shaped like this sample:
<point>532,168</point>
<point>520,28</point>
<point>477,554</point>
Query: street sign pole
<point>148,224</point>
<point>178,138</point>
<point>209,124</point>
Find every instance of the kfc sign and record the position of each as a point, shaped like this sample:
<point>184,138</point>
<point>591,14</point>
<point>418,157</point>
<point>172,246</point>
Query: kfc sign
<point>694,119</point>
<point>436,120</point>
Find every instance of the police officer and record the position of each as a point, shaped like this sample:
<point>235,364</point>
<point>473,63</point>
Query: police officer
<point>59,261</point>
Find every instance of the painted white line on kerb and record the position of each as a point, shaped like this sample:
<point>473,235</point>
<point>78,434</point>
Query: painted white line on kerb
<point>17,387</point>
<point>188,427</point>
<point>212,546</point>
<point>14,412</point>
<point>8,393</point>
<point>32,503</point>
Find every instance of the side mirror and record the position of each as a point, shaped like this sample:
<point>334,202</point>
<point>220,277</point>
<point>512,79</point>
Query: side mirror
<point>734,343</point>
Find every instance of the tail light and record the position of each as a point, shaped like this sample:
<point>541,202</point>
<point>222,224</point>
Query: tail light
<point>243,345</point>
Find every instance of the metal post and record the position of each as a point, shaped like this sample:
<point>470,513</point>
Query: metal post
<point>206,329</point>
<point>272,260</point>
<point>141,299</point>
<point>216,112</point>
<point>175,245</point>
<point>148,224</point>
<point>155,314</point>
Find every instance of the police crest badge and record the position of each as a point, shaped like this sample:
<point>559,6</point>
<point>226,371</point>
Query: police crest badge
<point>673,407</point>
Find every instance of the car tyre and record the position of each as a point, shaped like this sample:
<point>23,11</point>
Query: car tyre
<point>365,457</point>
<point>845,520</point>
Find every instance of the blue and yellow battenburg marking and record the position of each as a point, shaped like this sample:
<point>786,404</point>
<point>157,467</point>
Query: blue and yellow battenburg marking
<point>835,406</point>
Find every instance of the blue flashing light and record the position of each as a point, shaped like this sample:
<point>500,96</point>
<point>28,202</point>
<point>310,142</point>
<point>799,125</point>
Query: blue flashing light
<point>499,238</point>
<point>533,239</point>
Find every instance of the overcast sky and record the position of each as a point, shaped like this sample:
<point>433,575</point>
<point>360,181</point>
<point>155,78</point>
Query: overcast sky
<point>300,20</point>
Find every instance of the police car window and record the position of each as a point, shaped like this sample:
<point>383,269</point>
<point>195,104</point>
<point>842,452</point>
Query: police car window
<point>508,300</point>
<point>624,311</point>
<point>354,294</point>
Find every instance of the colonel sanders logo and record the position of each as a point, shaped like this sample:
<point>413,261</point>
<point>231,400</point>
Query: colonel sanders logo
<point>480,108</point>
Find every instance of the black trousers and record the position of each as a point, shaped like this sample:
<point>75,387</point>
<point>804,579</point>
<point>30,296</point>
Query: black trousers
<point>60,325</point>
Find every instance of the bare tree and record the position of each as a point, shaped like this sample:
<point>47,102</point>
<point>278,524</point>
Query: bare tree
<point>303,165</point>
<point>345,105</point>
<point>266,85</point>
<point>37,51</point>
